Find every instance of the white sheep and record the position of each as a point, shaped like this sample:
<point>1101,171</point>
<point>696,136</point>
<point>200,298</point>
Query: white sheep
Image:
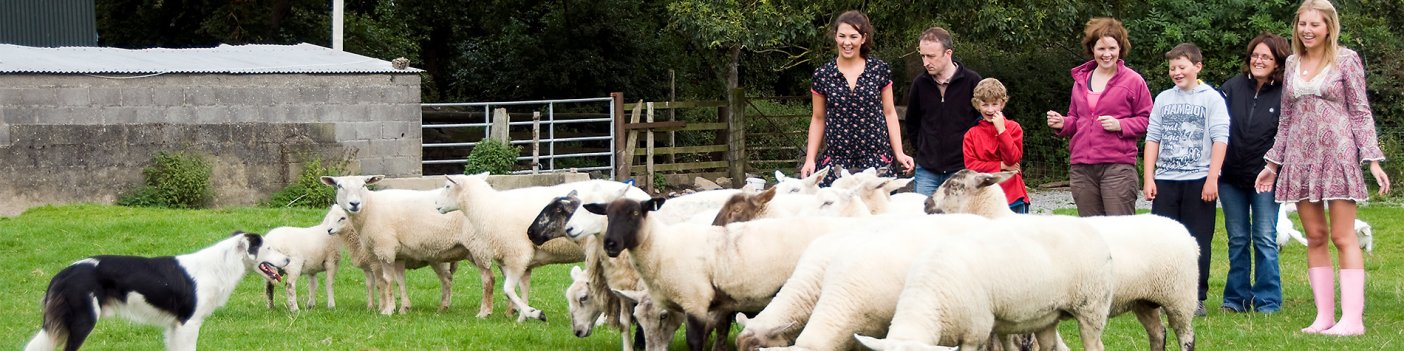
<point>1363,233</point>
<point>807,185</point>
<point>876,192</point>
<point>1154,256</point>
<point>658,323</point>
<point>497,222</point>
<point>590,296</point>
<point>397,227</point>
<point>846,284</point>
<point>310,250</point>
<point>680,209</point>
<point>1019,274</point>
<point>772,204</point>
<point>706,271</point>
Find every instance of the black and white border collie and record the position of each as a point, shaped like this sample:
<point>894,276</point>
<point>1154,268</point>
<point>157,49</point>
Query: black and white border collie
<point>176,292</point>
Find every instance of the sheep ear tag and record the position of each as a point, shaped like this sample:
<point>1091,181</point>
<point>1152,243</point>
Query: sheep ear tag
<point>654,204</point>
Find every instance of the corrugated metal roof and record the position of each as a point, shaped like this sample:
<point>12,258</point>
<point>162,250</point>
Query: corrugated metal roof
<point>226,59</point>
<point>48,22</point>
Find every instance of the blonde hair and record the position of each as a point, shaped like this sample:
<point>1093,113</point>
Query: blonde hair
<point>989,90</point>
<point>1333,27</point>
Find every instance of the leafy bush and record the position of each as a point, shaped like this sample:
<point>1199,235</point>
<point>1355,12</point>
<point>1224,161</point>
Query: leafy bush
<point>492,156</point>
<point>308,190</point>
<point>173,180</point>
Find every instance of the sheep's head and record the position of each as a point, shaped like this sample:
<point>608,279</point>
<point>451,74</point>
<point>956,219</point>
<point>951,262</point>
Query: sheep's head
<point>583,311</point>
<point>838,202</point>
<point>455,186</point>
<point>898,345</point>
<point>968,191</point>
<point>754,336</point>
<point>743,207</point>
<point>626,219</point>
<point>584,224</point>
<point>336,220</point>
<point>807,185</point>
<point>267,262</point>
<point>350,190</point>
<point>550,223</point>
<point>658,323</point>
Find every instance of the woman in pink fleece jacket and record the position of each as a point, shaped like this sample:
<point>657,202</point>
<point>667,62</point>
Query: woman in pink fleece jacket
<point>1107,114</point>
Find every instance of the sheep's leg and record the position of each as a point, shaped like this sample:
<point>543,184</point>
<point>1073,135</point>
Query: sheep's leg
<point>404,291</point>
<point>1048,339</point>
<point>386,285</point>
<point>312,291</point>
<point>294,270</point>
<point>268,291</point>
<point>488,281</point>
<point>445,284</point>
<point>697,333</point>
<point>371,277</point>
<point>1090,324</point>
<point>331,276</point>
<point>721,326</point>
<point>624,312</point>
<point>1180,320</point>
<point>1150,319</point>
<point>513,278</point>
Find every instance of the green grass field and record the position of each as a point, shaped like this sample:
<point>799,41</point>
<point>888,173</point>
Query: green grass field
<point>44,240</point>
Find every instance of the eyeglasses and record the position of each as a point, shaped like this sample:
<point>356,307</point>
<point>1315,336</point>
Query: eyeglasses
<point>1263,57</point>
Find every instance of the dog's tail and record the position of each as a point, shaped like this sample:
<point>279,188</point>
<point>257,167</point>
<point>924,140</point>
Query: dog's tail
<point>53,331</point>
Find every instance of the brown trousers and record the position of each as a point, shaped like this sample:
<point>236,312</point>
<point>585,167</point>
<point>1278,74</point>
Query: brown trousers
<point>1107,189</point>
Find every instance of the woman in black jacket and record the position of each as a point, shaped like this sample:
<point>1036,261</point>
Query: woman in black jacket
<point>1254,101</point>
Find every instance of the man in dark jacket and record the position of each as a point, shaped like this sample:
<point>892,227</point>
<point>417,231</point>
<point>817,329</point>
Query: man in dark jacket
<point>939,111</point>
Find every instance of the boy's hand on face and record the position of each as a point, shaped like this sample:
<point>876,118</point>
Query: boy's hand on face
<point>998,121</point>
<point>1111,124</point>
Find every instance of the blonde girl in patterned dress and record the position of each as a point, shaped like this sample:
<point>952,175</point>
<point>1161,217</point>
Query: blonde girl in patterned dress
<point>853,108</point>
<point>1326,131</point>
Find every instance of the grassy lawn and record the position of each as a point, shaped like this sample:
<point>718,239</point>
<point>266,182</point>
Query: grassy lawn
<point>44,240</point>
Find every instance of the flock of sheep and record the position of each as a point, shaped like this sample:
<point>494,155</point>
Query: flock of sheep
<point>814,268</point>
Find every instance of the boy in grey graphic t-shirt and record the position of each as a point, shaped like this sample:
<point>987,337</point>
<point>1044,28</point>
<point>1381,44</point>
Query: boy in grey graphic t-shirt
<point>1185,146</point>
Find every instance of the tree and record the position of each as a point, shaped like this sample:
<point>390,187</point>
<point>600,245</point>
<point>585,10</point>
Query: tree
<point>731,26</point>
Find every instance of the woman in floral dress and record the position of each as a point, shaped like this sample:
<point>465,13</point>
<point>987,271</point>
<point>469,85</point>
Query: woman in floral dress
<point>1326,130</point>
<point>853,108</point>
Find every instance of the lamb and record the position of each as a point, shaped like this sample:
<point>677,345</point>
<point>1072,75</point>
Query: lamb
<point>1363,233</point>
<point>1018,274</point>
<point>807,185</point>
<point>876,192</point>
<point>845,284</point>
<point>744,206</point>
<point>1154,256</point>
<point>400,226</point>
<point>310,251</point>
<point>497,221</point>
<point>659,324</point>
<point>1285,231</point>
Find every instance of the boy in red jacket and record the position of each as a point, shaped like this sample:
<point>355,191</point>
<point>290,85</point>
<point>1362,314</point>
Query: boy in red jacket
<point>996,144</point>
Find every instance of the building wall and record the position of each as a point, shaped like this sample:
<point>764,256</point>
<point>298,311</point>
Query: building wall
<point>80,138</point>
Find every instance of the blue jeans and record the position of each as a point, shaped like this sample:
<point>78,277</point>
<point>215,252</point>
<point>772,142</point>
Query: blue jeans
<point>927,180</point>
<point>1019,206</point>
<point>1251,220</point>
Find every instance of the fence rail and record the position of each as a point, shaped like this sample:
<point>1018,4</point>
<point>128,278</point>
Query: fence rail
<point>593,140</point>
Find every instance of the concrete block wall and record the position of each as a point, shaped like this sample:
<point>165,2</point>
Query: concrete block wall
<point>79,138</point>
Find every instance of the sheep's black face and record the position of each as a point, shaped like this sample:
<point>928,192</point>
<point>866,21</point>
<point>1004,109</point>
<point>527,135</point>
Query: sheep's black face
<point>626,217</point>
<point>550,223</point>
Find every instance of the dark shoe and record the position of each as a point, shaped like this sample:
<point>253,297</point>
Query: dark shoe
<point>1231,309</point>
<point>1200,312</point>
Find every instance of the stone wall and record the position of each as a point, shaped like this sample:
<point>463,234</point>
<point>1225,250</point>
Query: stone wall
<point>80,138</point>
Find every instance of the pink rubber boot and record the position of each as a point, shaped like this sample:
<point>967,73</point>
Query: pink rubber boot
<point>1323,290</point>
<point>1352,304</point>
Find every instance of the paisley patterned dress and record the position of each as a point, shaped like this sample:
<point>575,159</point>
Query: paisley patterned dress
<point>855,130</point>
<point>1326,132</point>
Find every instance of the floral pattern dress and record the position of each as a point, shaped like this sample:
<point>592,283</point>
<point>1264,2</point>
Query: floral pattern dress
<point>855,130</point>
<point>1326,132</point>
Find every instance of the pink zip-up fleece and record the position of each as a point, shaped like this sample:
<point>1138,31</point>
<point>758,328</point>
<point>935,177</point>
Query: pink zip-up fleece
<point>1126,97</point>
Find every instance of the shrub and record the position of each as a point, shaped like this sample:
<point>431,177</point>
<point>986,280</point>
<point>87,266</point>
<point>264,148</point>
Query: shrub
<point>492,156</point>
<point>173,180</point>
<point>307,190</point>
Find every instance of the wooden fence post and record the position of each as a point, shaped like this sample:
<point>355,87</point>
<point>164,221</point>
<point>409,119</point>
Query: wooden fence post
<point>736,138</point>
<point>621,171</point>
<point>498,131</point>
